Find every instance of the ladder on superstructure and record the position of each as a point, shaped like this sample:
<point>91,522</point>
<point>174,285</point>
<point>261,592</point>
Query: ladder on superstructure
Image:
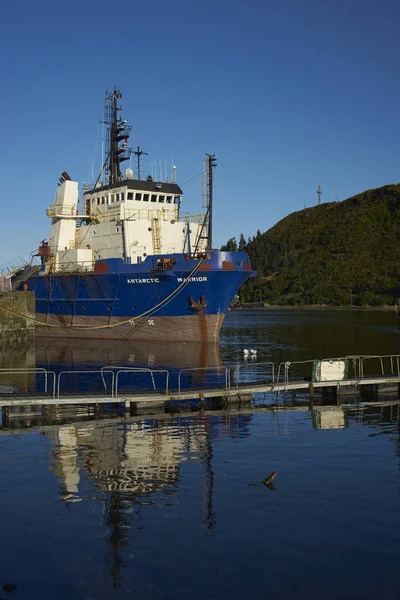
<point>156,234</point>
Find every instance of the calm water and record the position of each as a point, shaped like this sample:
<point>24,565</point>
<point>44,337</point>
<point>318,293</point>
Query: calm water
<point>176,507</point>
<point>278,336</point>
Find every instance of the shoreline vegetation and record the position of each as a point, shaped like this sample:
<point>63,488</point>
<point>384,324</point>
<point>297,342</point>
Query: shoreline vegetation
<point>322,307</point>
<point>337,254</point>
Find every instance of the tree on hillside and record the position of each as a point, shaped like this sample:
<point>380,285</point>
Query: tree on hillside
<point>242,243</point>
<point>338,253</point>
<point>230,246</point>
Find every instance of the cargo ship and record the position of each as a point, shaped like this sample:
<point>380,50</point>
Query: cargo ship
<point>125,262</point>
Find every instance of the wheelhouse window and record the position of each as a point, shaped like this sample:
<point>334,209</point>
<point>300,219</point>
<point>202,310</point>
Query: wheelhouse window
<point>130,195</point>
<point>122,196</point>
<point>161,198</point>
<point>103,200</point>
<point>112,197</point>
<point>154,197</point>
<point>98,200</point>
<point>177,200</point>
<point>117,198</point>
<point>168,199</point>
<point>145,197</point>
<point>138,196</point>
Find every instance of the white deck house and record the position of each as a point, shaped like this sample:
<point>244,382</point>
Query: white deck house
<point>129,219</point>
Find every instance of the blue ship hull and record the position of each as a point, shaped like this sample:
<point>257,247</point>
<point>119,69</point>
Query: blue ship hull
<point>170,297</point>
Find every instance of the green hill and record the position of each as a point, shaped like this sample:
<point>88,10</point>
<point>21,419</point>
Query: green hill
<point>338,253</point>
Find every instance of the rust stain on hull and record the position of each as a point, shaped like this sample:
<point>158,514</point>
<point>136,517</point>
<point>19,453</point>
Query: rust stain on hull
<point>228,265</point>
<point>194,328</point>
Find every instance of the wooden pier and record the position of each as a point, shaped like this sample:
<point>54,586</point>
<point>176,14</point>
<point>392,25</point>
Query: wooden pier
<point>329,377</point>
<point>238,395</point>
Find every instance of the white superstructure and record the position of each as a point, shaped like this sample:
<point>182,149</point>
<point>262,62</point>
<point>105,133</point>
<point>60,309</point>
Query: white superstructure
<point>129,219</point>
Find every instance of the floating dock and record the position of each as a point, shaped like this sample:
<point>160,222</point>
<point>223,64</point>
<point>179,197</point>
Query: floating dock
<point>234,385</point>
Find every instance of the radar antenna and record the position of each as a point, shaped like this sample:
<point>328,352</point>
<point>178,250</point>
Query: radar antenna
<point>117,131</point>
<point>319,193</point>
<point>138,153</point>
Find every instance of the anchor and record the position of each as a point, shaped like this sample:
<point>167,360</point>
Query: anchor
<point>197,306</point>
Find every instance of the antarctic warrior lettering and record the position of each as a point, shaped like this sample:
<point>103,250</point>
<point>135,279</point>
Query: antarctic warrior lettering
<point>144,280</point>
<point>156,280</point>
<point>195,279</point>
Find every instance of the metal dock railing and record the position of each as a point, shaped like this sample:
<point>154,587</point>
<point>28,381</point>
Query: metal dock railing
<point>120,384</point>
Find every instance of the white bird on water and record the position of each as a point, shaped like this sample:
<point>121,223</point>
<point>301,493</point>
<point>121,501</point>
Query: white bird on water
<point>246,352</point>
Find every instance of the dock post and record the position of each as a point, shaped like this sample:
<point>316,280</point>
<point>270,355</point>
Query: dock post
<point>201,396</point>
<point>311,392</point>
<point>330,395</point>
<point>128,406</point>
<point>4,415</point>
<point>370,392</point>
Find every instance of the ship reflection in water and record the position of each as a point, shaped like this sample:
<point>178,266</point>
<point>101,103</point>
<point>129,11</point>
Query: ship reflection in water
<point>179,506</point>
<point>133,465</point>
<point>91,353</point>
<point>74,355</point>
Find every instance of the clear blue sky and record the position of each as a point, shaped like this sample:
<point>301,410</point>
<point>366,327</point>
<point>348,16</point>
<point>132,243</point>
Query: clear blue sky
<point>287,94</point>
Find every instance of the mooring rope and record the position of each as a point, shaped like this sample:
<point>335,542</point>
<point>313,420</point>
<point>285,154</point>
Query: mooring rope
<point>111,325</point>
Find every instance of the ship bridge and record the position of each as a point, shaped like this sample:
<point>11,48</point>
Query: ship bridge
<point>128,219</point>
<point>126,199</point>
<point>123,218</point>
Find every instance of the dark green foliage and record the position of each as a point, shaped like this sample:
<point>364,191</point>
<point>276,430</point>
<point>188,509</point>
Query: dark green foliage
<point>338,253</point>
<point>230,246</point>
<point>242,243</point>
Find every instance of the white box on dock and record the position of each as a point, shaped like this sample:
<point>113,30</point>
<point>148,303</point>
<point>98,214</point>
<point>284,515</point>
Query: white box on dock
<point>329,370</point>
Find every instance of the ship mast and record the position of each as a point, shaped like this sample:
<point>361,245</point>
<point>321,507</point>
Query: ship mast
<point>138,153</point>
<point>204,238</point>
<point>117,131</point>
